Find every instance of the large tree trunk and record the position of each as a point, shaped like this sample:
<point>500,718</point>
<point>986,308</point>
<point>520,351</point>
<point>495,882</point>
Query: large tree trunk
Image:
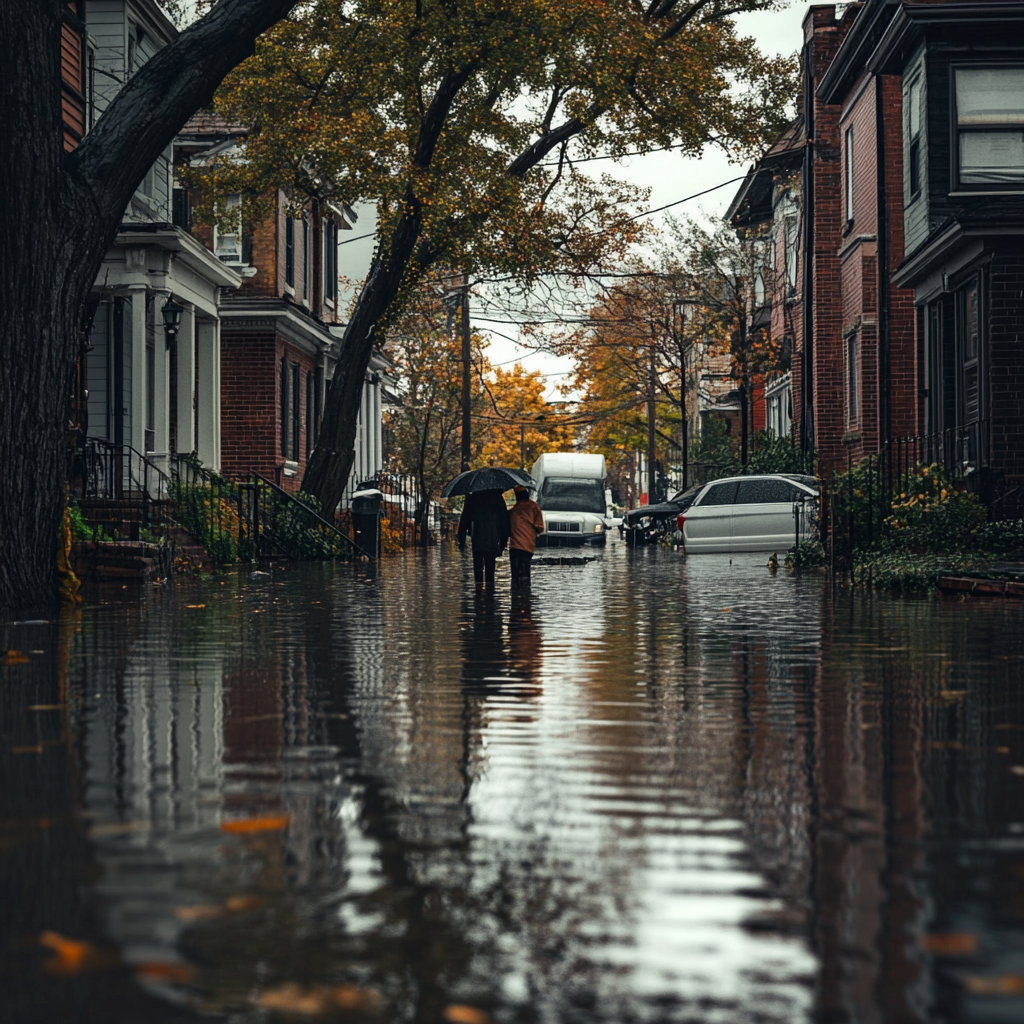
<point>61,212</point>
<point>331,462</point>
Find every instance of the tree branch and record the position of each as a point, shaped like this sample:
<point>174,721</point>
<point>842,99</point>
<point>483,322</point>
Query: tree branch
<point>166,91</point>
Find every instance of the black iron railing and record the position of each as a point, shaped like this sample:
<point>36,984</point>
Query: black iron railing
<point>283,523</point>
<point>120,487</point>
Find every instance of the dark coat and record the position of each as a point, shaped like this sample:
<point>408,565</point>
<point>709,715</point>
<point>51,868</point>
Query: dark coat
<point>485,519</point>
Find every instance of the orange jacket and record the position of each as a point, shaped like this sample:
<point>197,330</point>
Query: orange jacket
<point>526,521</point>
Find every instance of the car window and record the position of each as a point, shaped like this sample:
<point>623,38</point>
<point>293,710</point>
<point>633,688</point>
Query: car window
<point>720,494</point>
<point>688,495</point>
<point>765,492</point>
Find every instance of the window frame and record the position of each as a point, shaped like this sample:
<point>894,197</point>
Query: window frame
<point>239,259</point>
<point>284,397</point>
<point>852,361</point>
<point>970,362</point>
<point>848,171</point>
<point>957,184</point>
<point>912,139</point>
<point>289,252</point>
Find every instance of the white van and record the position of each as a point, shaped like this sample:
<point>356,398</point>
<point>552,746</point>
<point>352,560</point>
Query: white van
<point>570,492</point>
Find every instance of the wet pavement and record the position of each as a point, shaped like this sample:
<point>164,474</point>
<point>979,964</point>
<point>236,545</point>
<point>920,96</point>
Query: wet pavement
<point>652,790</point>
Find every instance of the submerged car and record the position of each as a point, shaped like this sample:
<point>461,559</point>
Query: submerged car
<point>750,513</point>
<point>649,523</point>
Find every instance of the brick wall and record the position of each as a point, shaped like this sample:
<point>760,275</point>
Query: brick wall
<point>248,402</point>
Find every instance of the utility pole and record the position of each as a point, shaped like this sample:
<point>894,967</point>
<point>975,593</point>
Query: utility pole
<point>651,453</point>
<point>467,421</point>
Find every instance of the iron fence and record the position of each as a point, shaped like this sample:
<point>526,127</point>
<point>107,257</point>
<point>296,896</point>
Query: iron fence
<point>860,500</point>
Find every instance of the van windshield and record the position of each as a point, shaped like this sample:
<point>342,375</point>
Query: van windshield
<point>568,495</point>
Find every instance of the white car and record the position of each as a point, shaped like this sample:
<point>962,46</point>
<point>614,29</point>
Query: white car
<point>750,513</point>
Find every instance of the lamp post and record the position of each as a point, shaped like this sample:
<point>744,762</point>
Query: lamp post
<point>172,320</point>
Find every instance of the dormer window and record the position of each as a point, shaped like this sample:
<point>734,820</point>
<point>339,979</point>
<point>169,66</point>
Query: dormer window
<point>990,126</point>
<point>227,245</point>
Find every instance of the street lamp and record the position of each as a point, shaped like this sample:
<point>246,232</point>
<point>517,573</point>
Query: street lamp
<point>172,320</point>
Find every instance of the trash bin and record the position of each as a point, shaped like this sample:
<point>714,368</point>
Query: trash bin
<point>366,514</point>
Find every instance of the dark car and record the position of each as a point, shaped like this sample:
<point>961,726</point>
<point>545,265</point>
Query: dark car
<point>650,523</point>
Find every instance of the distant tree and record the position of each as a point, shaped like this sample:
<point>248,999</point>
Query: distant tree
<point>425,430</point>
<point>463,123</point>
<point>61,212</point>
<point>519,425</point>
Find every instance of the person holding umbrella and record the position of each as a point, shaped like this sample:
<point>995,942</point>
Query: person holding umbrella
<point>485,519</point>
<point>485,515</point>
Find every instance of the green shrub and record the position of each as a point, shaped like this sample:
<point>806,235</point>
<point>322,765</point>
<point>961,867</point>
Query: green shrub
<point>772,454</point>
<point>80,529</point>
<point>1002,540</point>
<point>809,555</point>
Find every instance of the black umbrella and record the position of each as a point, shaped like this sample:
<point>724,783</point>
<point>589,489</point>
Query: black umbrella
<point>492,478</point>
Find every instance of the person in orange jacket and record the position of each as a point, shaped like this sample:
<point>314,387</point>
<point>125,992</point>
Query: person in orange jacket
<point>526,521</point>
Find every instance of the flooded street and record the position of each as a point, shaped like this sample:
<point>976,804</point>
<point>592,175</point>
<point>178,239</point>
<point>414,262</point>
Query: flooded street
<point>654,790</point>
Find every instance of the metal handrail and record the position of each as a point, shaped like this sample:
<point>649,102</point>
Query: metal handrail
<point>280,492</point>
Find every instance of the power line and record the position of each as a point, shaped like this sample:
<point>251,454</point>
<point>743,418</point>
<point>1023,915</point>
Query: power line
<point>695,195</point>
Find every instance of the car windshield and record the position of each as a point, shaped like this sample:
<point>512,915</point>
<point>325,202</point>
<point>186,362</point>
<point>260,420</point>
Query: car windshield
<point>567,495</point>
<point>687,495</point>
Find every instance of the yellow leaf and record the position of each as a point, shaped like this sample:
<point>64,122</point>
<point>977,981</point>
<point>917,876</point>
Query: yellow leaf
<point>460,1014</point>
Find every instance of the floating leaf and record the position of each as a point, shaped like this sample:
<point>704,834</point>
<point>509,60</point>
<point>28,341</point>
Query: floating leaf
<point>46,707</point>
<point>161,970</point>
<point>950,943</point>
<point>458,1013</point>
<point>245,825</point>
<point>13,657</point>
<point>999,985</point>
<point>72,956</point>
<point>317,1000</point>
<point>195,606</point>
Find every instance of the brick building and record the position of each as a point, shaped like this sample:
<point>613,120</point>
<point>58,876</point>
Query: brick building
<point>280,330</point>
<point>897,251</point>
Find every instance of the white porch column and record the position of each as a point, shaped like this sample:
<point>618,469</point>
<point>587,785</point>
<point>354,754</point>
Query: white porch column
<point>138,345</point>
<point>161,387</point>
<point>378,428</point>
<point>186,405</point>
<point>208,396</point>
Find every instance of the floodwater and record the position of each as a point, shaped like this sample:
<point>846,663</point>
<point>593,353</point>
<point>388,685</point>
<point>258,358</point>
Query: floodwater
<point>653,790</point>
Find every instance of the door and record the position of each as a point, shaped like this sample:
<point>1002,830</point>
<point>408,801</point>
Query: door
<point>762,517</point>
<point>706,528</point>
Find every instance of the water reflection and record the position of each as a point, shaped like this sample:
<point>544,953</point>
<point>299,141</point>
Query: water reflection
<point>646,789</point>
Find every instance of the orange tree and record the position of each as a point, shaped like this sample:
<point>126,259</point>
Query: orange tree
<point>519,424</point>
<point>462,120</point>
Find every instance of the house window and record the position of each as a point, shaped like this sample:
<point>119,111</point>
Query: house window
<point>305,259</point>
<point>289,252</point>
<point>990,125</point>
<point>913,121</point>
<point>792,226</point>
<point>330,260</point>
<point>969,338</point>
<point>227,245</point>
<point>285,406</point>
<point>848,174</point>
<point>296,412</point>
<point>851,379</point>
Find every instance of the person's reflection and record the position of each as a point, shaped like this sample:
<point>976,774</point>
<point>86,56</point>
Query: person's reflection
<point>524,644</point>
<point>483,643</point>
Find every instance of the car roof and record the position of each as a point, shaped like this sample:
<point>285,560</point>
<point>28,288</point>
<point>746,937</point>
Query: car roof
<point>799,478</point>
